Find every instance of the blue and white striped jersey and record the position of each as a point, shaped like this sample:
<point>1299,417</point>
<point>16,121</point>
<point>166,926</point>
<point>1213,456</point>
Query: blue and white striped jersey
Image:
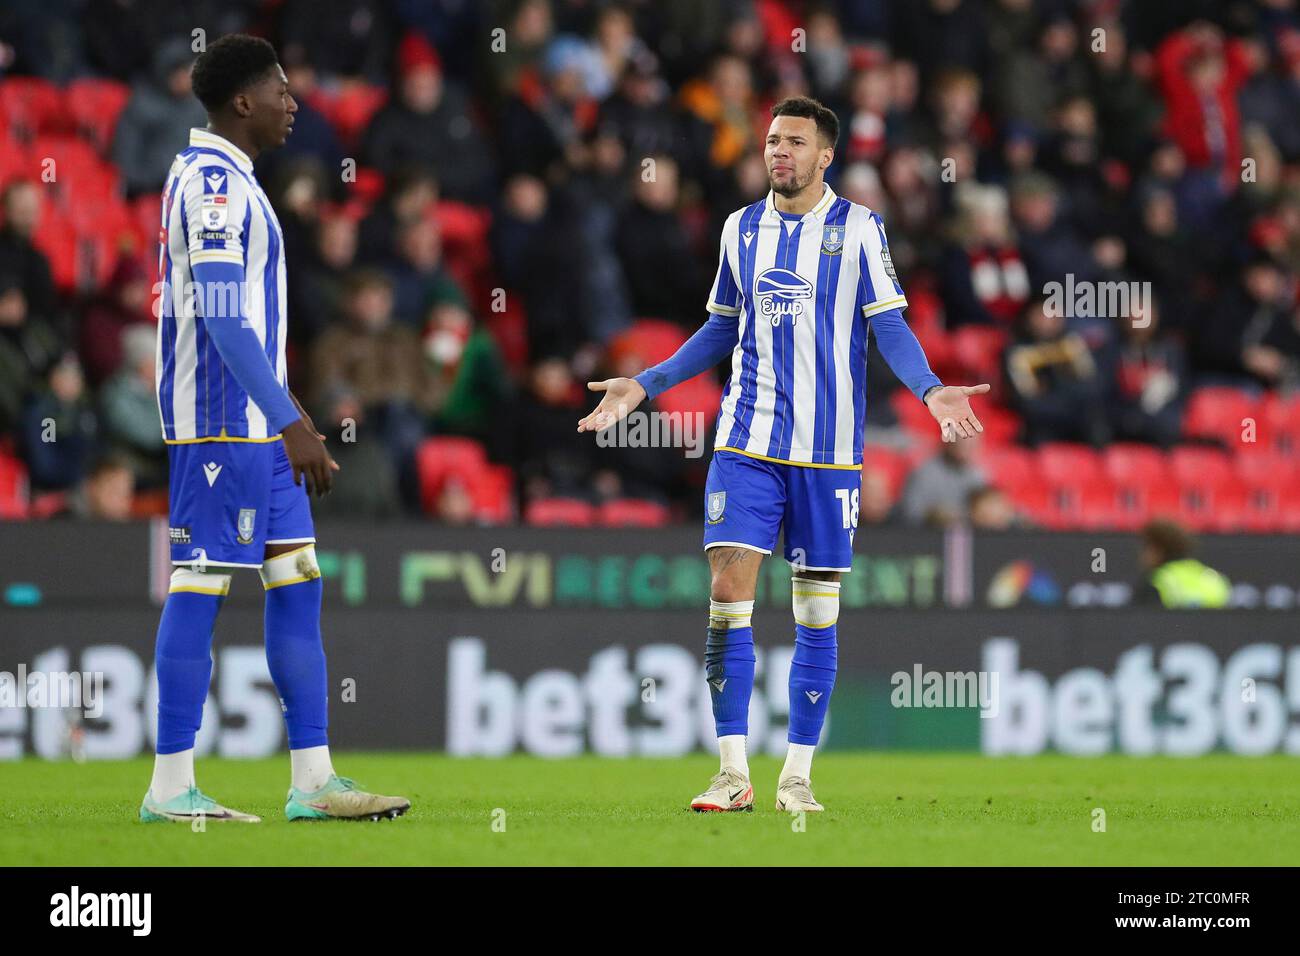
<point>214,211</point>
<point>804,290</point>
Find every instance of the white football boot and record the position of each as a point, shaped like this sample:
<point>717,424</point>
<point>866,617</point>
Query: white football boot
<point>794,794</point>
<point>728,790</point>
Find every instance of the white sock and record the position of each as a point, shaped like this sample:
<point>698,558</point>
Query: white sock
<point>311,768</point>
<point>798,761</point>
<point>732,750</point>
<point>173,774</point>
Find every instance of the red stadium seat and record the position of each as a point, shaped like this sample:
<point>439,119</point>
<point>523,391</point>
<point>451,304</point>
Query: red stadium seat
<point>559,513</point>
<point>1084,504</point>
<point>1010,468</point>
<point>1192,465</point>
<point>1001,426</point>
<point>1217,412</point>
<point>439,458</point>
<point>1068,462</point>
<point>14,490</point>
<point>978,351</point>
<point>492,490</point>
<point>94,106</point>
<point>633,513</point>
<point>1134,465</point>
<point>892,463</point>
<point>1278,427</point>
<point>30,107</point>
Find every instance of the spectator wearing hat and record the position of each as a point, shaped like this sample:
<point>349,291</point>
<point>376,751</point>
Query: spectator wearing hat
<point>429,123</point>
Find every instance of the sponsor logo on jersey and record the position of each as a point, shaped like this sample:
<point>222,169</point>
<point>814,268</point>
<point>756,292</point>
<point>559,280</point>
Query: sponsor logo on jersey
<point>244,525</point>
<point>780,293</point>
<point>889,263</point>
<point>832,240</point>
<point>210,471</point>
<point>178,535</point>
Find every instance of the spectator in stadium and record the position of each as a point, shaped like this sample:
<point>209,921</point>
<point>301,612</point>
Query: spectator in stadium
<point>157,118</point>
<point>552,112</point>
<point>1160,249</point>
<point>1033,79</point>
<point>1172,577</point>
<point>129,409</point>
<point>1050,245</point>
<point>983,279</point>
<point>59,428</point>
<point>369,372</point>
<point>1128,109</point>
<point>350,38</point>
<point>876,503</point>
<point>470,384</point>
<point>316,290</point>
<point>1199,74</point>
<point>663,272</point>
<point>723,99</point>
<point>21,207</point>
<point>936,492</point>
<point>536,241</point>
<point>411,194</point>
<point>429,123</point>
<point>553,459</point>
<point>1272,351</point>
<point>419,278</point>
<point>1053,380</point>
<point>989,509</point>
<point>108,491</point>
<point>1269,98</point>
<point>29,347</point>
<point>941,33</point>
<point>1150,382</point>
<point>124,303</point>
<point>1228,340</point>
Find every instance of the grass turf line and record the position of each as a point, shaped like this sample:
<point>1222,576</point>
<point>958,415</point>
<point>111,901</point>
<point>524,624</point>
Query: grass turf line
<point>890,809</point>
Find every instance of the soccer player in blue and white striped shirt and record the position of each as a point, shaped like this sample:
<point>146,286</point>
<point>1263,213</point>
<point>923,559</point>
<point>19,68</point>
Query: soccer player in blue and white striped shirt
<point>239,444</point>
<point>803,276</point>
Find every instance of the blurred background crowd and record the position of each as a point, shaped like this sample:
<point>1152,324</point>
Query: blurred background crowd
<point>488,204</point>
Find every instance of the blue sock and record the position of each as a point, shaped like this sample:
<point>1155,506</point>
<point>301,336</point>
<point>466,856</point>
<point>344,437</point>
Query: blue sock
<point>296,659</point>
<point>812,678</point>
<point>183,660</point>
<point>729,662</point>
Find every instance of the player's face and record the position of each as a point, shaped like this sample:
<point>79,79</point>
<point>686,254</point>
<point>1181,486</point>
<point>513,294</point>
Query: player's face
<point>794,154</point>
<point>273,109</point>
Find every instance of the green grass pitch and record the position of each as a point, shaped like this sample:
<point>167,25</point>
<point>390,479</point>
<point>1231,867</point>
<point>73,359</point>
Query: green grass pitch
<point>892,809</point>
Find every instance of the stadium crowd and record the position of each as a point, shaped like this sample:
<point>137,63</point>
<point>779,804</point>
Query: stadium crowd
<point>486,205</point>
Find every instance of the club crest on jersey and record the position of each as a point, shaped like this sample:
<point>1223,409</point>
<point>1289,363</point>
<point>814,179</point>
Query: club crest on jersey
<point>832,240</point>
<point>213,209</point>
<point>717,504</point>
<point>244,525</point>
<point>781,292</point>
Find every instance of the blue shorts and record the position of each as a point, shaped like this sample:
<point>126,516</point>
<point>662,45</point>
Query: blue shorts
<point>229,500</point>
<point>747,501</point>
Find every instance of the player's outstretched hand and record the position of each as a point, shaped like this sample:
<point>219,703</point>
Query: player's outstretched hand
<point>308,457</point>
<point>950,407</point>
<point>621,396</point>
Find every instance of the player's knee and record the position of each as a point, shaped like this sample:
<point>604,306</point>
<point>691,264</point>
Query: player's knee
<point>816,602</point>
<point>187,580</point>
<point>292,567</point>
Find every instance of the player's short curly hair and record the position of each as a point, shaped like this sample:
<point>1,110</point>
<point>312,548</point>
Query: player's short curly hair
<point>228,66</point>
<point>828,124</point>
